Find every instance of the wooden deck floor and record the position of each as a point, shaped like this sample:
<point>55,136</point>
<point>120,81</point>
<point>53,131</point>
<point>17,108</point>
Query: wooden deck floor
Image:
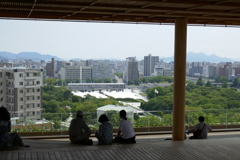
<point>218,146</point>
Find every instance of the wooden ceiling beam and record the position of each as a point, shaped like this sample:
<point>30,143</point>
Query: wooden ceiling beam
<point>34,4</point>
<point>142,8</point>
<point>81,9</point>
<point>194,2</point>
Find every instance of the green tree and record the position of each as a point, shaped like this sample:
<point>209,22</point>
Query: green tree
<point>120,75</point>
<point>67,94</point>
<point>76,99</point>
<point>130,82</point>
<point>235,82</point>
<point>224,84</point>
<point>107,80</point>
<point>89,80</point>
<point>221,79</point>
<point>136,82</point>
<point>77,81</point>
<point>200,82</point>
<point>59,82</point>
<point>208,84</point>
<point>52,106</point>
<point>49,81</point>
<point>97,80</point>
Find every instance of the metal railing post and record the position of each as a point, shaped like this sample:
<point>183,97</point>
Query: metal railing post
<point>226,118</point>
<point>61,123</point>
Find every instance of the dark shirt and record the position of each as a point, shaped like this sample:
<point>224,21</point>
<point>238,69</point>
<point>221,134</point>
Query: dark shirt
<point>77,126</point>
<point>5,127</point>
<point>105,133</point>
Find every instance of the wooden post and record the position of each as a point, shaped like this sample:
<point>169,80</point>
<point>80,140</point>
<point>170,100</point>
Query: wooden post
<point>179,79</point>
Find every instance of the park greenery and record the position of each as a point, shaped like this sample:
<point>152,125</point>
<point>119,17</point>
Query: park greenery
<point>219,105</point>
<point>155,79</point>
<point>215,103</point>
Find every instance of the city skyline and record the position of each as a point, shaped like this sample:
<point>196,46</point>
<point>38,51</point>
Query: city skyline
<point>69,40</point>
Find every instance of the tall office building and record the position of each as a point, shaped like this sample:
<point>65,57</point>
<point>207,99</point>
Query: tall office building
<point>133,72</point>
<point>149,64</point>
<point>102,70</point>
<point>21,92</point>
<point>85,73</point>
<point>50,72</point>
<point>59,65</point>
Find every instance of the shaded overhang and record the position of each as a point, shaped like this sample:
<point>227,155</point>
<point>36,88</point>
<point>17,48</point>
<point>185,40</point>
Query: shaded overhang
<point>197,12</point>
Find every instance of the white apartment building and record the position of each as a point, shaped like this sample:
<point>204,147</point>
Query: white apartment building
<point>21,92</point>
<point>75,72</point>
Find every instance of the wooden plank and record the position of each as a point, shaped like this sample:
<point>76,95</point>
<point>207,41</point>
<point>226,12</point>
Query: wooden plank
<point>100,154</point>
<point>132,154</point>
<point>34,155</point>
<point>8,156</point>
<point>63,155</point>
<point>140,154</point>
<point>116,154</point>
<point>21,156</point>
<point>40,156</point>
<point>154,152</point>
<point>80,155</point>
<point>90,155</point>
<point>2,156</point>
<point>110,154</point>
<point>147,153</point>
<point>46,156</point>
<point>106,156</point>
<point>124,152</point>
<point>74,155</point>
<point>69,155</point>
<point>52,156</point>
<point>15,156</point>
<point>28,156</point>
<point>58,156</point>
<point>84,154</point>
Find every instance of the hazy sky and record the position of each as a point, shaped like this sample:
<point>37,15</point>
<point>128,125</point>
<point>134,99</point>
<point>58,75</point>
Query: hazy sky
<point>110,40</point>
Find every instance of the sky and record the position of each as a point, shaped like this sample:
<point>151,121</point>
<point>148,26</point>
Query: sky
<point>88,40</point>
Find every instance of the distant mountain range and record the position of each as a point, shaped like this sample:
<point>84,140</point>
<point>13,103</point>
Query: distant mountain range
<point>200,57</point>
<point>26,55</point>
<point>191,57</point>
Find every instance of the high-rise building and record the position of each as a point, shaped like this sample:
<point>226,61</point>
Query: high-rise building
<point>133,72</point>
<point>102,70</point>
<point>21,92</point>
<point>149,64</point>
<point>85,73</point>
<point>50,69</point>
<point>59,65</point>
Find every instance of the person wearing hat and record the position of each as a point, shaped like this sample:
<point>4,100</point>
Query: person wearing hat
<point>79,132</point>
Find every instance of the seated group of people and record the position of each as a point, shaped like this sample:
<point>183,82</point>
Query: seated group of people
<point>79,132</point>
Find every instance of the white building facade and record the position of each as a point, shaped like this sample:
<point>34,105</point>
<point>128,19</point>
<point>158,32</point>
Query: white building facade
<point>21,92</point>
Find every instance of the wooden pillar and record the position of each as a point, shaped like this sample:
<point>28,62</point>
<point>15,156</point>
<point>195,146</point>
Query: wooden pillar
<point>179,79</point>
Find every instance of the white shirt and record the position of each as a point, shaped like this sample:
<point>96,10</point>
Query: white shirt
<point>127,129</point>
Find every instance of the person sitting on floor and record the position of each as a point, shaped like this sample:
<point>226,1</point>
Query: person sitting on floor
<point>126,132</point>
<point>201,130</point>
<point>78,131</point>
<point>104,134</point>
<point>5,127</point>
